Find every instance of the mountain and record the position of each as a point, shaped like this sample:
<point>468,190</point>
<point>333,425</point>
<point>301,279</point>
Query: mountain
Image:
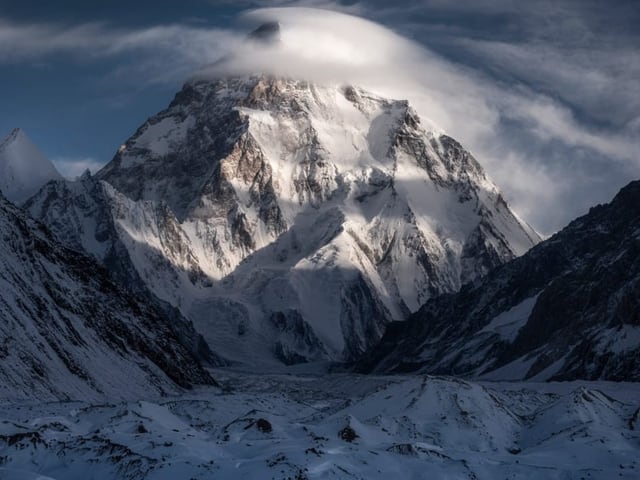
<point>567,309</point>
<point>23,167</point>
<point>289,220</point>
<point>68,332</point>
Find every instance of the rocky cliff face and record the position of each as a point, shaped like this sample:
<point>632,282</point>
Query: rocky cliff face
<point>569,308</point>
<point>68,332</point>
<point>268,208</point>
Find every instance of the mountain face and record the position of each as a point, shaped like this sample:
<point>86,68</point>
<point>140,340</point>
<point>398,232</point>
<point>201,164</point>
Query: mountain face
<point>23,167</point>
<point>127,237</point>
<point>287,218</point>
<point>68,332</point>
<point>569,308</point>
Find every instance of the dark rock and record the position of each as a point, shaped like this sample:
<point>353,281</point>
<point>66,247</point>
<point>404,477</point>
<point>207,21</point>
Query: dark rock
<point>263,425</point>
<point>347,434</point>
<point>268,32</point>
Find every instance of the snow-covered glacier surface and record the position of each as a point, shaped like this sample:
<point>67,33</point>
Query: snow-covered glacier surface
<point>336,426</point>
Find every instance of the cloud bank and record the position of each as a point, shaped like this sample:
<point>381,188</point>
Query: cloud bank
<point>72,168</point>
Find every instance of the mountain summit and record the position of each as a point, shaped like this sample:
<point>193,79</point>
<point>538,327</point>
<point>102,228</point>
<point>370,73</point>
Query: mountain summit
<point>23,167</point>
<point>289,219</point>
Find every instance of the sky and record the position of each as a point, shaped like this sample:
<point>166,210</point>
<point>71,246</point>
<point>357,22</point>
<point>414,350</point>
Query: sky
<point>544,93</point>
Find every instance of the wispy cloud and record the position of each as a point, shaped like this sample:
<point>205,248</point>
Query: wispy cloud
<point>346,7</point>
<point>593,80</point>
<point>154,54</point>
<point>561,78</point>
<point>72,168</point>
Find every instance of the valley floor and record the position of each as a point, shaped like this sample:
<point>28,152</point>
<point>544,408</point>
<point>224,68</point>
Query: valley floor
<point>337,426</point>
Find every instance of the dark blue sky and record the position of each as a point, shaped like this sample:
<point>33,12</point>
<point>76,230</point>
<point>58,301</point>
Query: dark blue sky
<point>81,76</point>
<point>74,107</point>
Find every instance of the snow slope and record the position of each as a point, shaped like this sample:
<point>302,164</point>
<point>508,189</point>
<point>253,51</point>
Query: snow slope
<point>334,427</point>
<point>296,219</point>
<point>23,167</point>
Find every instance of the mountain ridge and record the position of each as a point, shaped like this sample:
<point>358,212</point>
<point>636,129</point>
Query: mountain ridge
<point>69,332</point>
<point>566,309</point>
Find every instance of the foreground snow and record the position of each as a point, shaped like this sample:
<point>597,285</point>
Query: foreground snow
<point>334,426</point>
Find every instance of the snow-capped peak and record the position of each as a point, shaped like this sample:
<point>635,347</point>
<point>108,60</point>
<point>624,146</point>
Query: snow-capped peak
<point>23,167</point>
<point>305,215</point>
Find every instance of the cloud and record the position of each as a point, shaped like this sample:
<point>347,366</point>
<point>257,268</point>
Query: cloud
<point>72,168</point>
<point>596,81</point>
<point>156,54</point>
<point>544,93</point>
<point>571,64</point>
<point>318,44</point>
<point>552,164</point>
<point>350,7</point>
